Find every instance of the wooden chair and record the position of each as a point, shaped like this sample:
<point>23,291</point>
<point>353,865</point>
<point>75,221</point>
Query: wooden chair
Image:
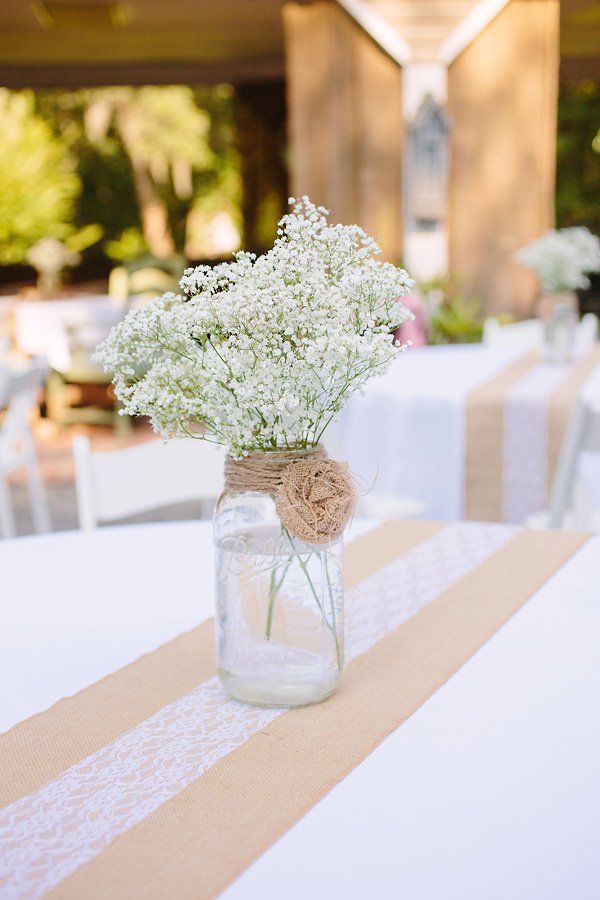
<point>19,394</point>
<point>113,485</point>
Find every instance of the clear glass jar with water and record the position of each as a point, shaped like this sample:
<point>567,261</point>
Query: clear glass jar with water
<point>560,334</point>
<point>279,616</point>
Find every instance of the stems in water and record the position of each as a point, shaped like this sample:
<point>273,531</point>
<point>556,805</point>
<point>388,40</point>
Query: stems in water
<point>273,591</point>
<point>334,630</point>
<point>330,625</point>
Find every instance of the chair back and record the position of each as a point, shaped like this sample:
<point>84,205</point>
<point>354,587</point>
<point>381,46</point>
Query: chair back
<point>6,326</point>
<point>148,282</point>
<point>582,436</point>
<point>526,335</point>
<point>19,391</point>
<point>587,332</point>
<point>19,395</point>
<point>120,483</point>
<point>529,334</point>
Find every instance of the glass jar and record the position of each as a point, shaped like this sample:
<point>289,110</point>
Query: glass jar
<point>279,616</point>
<point>560,334</point>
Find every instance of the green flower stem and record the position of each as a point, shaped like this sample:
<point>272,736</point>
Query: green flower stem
<point>304,567</point>
<point>330,625</point>
<point>273,591</point>
<point>271,603</point>
<point>338,649</point>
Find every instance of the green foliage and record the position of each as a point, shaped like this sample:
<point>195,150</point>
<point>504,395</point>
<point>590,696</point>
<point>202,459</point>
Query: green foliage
<point>129,245</point>
<point>451,318</point>
<point>267,215</point>
<point>163,124</point>
<point>218,187</point>
<point>578,160</point>
<point>184,141</point>
<point>457,321</point>
<point>84,238</point>
<point>38,181</point>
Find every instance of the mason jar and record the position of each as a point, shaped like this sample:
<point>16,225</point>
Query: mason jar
<point>279,612</point>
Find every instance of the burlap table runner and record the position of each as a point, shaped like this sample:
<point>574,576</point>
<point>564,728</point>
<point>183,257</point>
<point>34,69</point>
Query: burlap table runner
<point>152,783</point>
<point>484,431</point>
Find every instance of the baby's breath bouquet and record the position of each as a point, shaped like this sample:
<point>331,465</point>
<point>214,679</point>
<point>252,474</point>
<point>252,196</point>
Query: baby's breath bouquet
<point>259,355</point>
<point>562,259</point>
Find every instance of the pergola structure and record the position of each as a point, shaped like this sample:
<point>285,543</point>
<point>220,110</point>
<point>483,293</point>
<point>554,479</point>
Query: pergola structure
<point>430,122</point>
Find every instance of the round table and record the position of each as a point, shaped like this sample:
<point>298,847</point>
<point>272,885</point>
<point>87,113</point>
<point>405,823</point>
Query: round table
<point>490,789</point>
<point>78,605</point>
<point>408,436</point>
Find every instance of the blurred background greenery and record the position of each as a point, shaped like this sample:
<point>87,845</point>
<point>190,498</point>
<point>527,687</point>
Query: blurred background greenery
<point>578,168</point>
<point>123,173</point>
<point>578,156</point>
<point>119,173</point>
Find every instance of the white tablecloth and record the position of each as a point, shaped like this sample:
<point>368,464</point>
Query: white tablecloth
<point>491,790</point>
<point>406,436</point>
<point>47,328</point>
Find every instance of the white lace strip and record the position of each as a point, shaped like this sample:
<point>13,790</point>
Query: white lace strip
<point>525,468</point>
<point>51,833</point>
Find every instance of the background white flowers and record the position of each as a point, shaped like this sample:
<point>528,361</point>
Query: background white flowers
<point>561,259</point>
<point>261,353</point>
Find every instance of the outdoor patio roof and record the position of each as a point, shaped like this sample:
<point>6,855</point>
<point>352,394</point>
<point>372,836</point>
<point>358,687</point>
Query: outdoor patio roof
<point>49,43</point>
<point>45,43</point>
<point>580,39</point>
<point>424,24</point>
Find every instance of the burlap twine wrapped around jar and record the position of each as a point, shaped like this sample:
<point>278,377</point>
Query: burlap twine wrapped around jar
<point>314,495</point>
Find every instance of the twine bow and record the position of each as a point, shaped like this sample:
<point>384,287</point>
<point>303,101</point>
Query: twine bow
<point>314,496</point>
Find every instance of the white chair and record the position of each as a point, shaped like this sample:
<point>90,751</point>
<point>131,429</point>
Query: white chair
<point>6,312</point>
<point>526,335</point>
<point>19,395</point>
<point>587,333</point>
<point>125,482</point>
<point>570,505</point>
<point>530,334</point>
<point>387,506</point>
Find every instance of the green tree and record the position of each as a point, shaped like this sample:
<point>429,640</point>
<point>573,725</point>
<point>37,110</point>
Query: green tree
<point>38,181</point>
<point>165,136</point>
<point>577,160</point>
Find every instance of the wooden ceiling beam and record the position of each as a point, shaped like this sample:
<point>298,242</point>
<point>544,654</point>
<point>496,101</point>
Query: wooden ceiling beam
<point>73,75</point>
<point>103,47</point>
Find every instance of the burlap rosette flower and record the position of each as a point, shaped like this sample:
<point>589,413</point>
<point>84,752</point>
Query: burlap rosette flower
<point>314,496</point>
<point>315,499</point>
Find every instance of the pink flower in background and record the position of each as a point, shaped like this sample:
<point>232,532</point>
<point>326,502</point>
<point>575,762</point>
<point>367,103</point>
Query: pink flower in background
<point>414,331</point>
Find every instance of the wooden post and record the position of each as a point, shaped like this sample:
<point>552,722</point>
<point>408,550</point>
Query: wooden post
<point>260,118</point>
<point>345,120</point>
<point>502,98</point>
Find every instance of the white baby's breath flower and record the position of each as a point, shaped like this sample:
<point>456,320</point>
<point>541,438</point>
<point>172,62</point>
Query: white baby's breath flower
<point>562,259</point>
<point>262,353</point>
